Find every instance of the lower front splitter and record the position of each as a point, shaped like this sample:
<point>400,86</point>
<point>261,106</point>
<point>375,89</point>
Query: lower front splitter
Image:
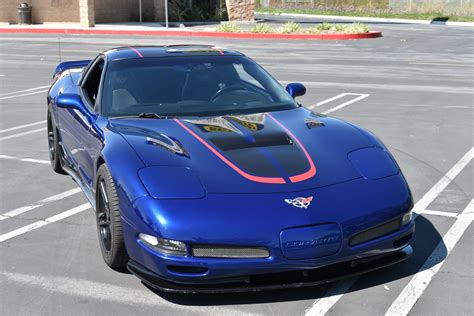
<point>273,281</point>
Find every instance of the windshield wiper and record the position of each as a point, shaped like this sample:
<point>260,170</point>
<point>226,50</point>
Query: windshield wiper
<point>143,115</point>
<point>151,115</point>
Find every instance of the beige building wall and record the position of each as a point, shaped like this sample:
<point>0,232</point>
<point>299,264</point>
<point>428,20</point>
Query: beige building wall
<point>43,10</point>
<point>86,13</point>
<point>105,11</point>
<point>91,12</point>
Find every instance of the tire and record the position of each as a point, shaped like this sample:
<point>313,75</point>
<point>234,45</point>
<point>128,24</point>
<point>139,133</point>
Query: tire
<point>109,224</point>
<point>53,146</point>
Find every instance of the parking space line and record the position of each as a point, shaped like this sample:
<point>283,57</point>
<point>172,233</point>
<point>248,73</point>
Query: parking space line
<point>44,222</point>
<point>440,213</point>
<point>23,95</point>
<point>401,88</point>
<point>23,91</point>
<point>21,126</point>
<point>324,304</point>
<point>321,306</point>
<point>328,100</point>
<point>442,184</point>
<point>40,203</point>
<point>405,301</point>
<point>23,133</point>
<point>111,293</point>
<point>333,99</point>
<point>25,159</point>
<point>340,106</point>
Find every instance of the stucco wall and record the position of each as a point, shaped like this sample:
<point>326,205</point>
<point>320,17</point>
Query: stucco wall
<point>43,10</point>
<point>107,11</point>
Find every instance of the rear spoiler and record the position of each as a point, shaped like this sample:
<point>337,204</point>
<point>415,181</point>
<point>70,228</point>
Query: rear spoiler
<point>70,64</point>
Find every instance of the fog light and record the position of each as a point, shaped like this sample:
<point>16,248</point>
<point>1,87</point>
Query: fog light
<point>406,218</point>
<point>164,246</point>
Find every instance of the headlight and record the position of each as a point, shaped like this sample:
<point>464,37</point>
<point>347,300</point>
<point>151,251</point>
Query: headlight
<point>406,218</point>
<point>373,163</point>
<point>171,182</point>
<point>164,246</point>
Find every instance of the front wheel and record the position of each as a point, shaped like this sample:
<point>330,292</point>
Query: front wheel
<point>109,225</point>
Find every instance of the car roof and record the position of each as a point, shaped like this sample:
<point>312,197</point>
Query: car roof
<point>130,52</point>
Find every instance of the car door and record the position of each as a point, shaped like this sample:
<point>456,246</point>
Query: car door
<point>92,140</point>
<point>77,134</point>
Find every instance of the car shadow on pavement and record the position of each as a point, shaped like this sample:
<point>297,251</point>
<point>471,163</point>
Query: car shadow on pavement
<point>425,240</point>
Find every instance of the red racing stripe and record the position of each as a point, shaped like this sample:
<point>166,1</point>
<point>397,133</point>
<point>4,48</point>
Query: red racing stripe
<point>136,51</point>
<point>229,163</point>
<point>312,169</point>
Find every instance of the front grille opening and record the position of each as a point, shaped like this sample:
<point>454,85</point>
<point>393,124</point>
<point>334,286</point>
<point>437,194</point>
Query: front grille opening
<point>375,232</point>
<point>187,269</point>
<point>402,241</point>
<point>212,251</point>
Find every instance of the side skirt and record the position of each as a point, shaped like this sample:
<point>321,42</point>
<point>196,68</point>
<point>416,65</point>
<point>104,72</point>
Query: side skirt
<point>75,176</point>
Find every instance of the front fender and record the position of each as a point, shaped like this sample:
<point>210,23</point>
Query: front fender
<point>123,164</point>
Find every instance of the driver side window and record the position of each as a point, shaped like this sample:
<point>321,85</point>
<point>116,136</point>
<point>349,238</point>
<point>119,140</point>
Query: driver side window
<point>91,85</point>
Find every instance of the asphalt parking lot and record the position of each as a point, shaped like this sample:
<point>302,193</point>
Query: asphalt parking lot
<point>413,88</point>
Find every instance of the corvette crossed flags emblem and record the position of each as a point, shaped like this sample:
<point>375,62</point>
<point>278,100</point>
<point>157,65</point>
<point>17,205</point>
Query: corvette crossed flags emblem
<point>301,202</point>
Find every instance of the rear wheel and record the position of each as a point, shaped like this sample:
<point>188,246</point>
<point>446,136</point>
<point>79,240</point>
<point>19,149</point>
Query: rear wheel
<point>53,146</point>
<point>109,225</point>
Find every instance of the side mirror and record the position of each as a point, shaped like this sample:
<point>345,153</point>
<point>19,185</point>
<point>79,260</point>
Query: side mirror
<point>70,101</point>
<point>296,89</point>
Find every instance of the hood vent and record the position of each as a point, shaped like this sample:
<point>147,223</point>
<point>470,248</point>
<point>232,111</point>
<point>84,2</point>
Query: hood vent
<point>265,140</point>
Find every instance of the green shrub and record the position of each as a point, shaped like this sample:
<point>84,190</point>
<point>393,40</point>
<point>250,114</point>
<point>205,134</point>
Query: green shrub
<point>262,28</point>
<point>289,27</point>
<point>339,28</point>
<point>356,28</point>
<point>320,28</point>
<point>229,28</point>
<point>314,30</point>
<point>324,26</point>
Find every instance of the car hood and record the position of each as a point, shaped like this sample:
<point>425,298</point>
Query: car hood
<point>284,151</point>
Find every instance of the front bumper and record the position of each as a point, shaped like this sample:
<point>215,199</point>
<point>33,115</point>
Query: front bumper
<point>250,221</point>
<point>272,281</point>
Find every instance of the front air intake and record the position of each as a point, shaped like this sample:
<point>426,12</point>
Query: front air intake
<point>376,232</point>
<point>212,251</point>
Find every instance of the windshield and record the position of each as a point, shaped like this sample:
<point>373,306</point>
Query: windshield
<point>190,86</point>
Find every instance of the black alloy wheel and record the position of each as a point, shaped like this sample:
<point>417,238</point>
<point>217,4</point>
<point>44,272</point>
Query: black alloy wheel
<point>109,223</point>
<point>53,146</point>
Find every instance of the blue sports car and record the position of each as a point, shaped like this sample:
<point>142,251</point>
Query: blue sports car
<point>207,176</point>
